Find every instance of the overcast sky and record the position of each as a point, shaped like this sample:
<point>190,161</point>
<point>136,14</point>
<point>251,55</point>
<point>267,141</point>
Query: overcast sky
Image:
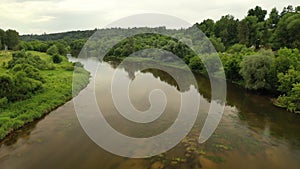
<point>39,16</point>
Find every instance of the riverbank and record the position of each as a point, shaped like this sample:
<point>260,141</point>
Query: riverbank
<point>269,92</point>
<point>56,90</point>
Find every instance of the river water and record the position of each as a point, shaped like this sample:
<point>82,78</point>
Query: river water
<point>252,134</point>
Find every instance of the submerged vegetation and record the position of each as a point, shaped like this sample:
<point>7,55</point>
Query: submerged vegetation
<point>33,84</point>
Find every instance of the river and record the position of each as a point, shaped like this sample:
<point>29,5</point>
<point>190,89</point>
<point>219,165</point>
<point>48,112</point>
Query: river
<point>252,134</point>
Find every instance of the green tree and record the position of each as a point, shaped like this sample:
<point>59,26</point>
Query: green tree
<point>273,19</point>
<point>287,33</point>
<point>196,64</point>
<point>226,29</point>
<point>286,80</point>
<point>62,48</point>
<point>248,31</point>
<point>217,43</point>
<point>240,49</point>
<point>255,70</point>
<point>52,50</point>
<point>56,58</point>
<point>2,38</point>
<point>258,12</point>
<point>76,47</point>
<point>12,39</point>
<point>207,27</point>
<point>291,100</point>
<point>297,9</point>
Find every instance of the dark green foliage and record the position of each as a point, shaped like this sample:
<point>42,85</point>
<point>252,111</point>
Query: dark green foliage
<point>248,31</point>
<point>76,47</point>
<point>56,58</point>
<point>273,19</point>
<point>196,64</point>
<point>258,12</point>
<point>231,64</point>
<point>207,27</point>
<point>12,39</point>
<point>227,29</point>
<point>69,36</point>
<point>6,86</point>
<point>2,38</point>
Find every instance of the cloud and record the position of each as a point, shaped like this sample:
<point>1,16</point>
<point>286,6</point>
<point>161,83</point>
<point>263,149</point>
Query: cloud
<point>36,16</point>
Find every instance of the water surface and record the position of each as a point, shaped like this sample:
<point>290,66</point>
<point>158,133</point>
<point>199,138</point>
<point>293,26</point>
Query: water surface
<point>252,132</point>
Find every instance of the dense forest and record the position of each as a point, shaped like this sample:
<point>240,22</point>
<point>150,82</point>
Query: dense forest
<point>259,52</point>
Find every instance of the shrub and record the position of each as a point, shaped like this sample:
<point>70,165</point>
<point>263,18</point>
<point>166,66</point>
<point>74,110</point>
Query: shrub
<point>56,58</point>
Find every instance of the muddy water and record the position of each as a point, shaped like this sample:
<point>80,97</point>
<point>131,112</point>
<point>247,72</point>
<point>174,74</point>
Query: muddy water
<point>252,133</point>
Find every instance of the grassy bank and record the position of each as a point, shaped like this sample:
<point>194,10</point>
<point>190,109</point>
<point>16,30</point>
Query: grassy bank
<point>55,90</point>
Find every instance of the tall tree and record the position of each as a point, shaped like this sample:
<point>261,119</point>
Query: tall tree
<point>12,39</point>
<point>2,38</point>
<point>297,9</point>
<point>273,19</point>
<point>287,33</point>
<point>207,27</point>
<point>248,31</point>
<point>226,29</point>
<point>258,12</point>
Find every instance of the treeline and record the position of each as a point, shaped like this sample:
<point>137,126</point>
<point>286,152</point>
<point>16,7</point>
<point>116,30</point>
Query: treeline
<point>67,36</point>
<point>279,29</point>
<point>266,71</point>
<point>259,29</point>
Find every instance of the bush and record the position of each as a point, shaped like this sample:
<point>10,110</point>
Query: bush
<point>56,58</point>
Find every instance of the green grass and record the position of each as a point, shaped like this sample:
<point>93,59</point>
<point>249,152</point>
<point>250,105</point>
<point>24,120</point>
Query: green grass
<point>56,91</point>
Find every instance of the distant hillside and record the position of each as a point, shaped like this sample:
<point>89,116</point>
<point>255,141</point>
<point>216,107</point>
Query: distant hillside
<point>71,35</point>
